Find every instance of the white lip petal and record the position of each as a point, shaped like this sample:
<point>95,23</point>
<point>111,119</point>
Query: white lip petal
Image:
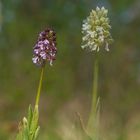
<point>35,59</point>
<point>106,47</point>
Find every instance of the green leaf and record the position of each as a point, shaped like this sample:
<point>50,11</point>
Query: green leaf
<point>25,134</point>
<point>34,123</point>
<point>29,129</point>
<point>36,133</point>
<point>19,136</point>
<point>30,115</point>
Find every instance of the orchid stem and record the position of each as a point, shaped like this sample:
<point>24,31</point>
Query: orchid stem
<point>39,86</point>
<point>92,115</point>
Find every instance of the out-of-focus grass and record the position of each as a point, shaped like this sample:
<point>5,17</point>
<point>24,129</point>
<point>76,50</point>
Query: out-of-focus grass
<point>69,80</point>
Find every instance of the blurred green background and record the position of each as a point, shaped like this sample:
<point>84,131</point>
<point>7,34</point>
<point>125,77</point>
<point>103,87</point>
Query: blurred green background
<point>67,85</point>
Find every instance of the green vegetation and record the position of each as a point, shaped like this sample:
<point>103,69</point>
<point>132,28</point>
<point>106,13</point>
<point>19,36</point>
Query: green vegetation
<point>67,87</point>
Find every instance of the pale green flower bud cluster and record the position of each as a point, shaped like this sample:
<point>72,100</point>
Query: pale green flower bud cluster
<point>96,30</point>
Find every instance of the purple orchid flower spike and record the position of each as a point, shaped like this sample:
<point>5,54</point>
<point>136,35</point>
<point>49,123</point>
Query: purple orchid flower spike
<point>45,48</point>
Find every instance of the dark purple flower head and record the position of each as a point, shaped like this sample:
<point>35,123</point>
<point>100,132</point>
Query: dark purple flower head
<point>45,48</point>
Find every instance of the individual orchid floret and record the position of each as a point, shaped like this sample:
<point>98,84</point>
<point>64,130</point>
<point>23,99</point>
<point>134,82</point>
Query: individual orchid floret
<point>45,48</point>
<point>96,30</point>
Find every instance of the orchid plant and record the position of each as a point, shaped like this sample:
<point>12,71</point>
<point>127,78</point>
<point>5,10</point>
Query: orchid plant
<point>43,51</point>
<point>96,35</point>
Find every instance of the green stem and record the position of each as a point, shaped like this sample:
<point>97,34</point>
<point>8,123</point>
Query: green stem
<point>95,85</point>
<point>39,87</point>
<point>92,116</point>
